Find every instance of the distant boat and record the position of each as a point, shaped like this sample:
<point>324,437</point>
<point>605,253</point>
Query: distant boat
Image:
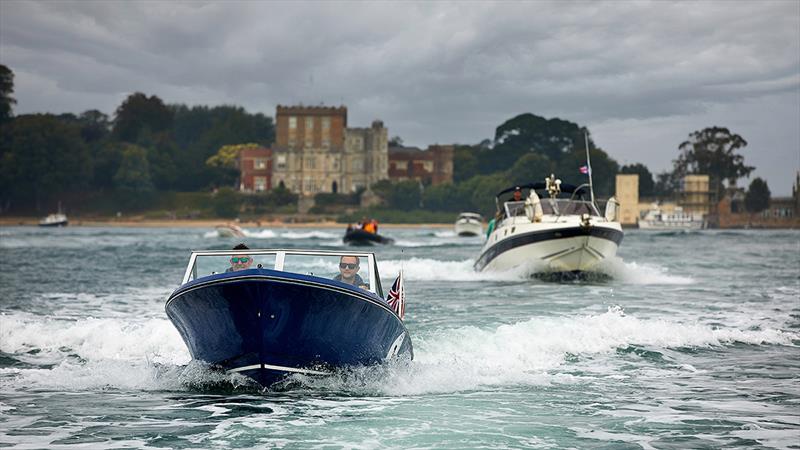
<point>656,219</point>
<point>358,237</point>
<point>229,230</point>
<point>264,314</point>
<point>469,224</point>
<point>58,219</point>
<point>54,220</point>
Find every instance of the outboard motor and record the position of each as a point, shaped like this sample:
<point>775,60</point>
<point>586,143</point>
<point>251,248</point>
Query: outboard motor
<point>612,210</point>
<point>533,207</point>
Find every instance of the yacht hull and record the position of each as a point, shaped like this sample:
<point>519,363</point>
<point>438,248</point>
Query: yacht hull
<point>361,238</point>
<point>468,229</point>
<point>266,324</point>
<point>559,249</point>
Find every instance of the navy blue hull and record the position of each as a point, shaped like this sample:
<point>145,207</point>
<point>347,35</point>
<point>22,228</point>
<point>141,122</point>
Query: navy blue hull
<point>362,238</point>
<point>266,324</point>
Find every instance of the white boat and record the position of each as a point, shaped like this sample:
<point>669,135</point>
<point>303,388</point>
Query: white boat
<point>54,220</point>
<point>552,234</point>
<point>656,219</point>
<point>469,224</point>
<point>229,230</point>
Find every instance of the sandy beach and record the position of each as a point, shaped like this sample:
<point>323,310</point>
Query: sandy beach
<point>200,223</point>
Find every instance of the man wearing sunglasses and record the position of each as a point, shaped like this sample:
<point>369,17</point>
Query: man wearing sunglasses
<point>240,262</point>
<point>348,272</point>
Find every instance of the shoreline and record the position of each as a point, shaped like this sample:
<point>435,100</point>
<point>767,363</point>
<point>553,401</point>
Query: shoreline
<point>201,223</point>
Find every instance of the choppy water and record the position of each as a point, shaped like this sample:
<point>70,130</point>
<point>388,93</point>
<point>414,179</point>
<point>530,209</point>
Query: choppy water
<point>694,342</point>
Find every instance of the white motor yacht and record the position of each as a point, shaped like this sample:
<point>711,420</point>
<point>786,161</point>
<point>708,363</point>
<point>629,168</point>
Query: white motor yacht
<point>551,234</point>
<point>469,224</point>
<point>656,219</point>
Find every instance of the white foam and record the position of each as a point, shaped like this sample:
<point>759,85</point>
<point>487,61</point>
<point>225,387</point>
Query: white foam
<point>100,353</point>
<point>426,269</point>
<point>260,234</point>
<point>531,352</point>
<point>310,235</point>
<point>636,273</point>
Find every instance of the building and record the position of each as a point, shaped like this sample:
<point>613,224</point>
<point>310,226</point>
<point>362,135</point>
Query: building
<point>627,194</point>
<point>781,213</point>
<point>366,157</point>
<point>694,195</point>
<point>255,169</point>
<point>432,166</point>
<point>315,152</point>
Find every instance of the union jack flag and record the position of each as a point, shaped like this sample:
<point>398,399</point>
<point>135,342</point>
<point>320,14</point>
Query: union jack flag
<point>397,296</point>
<point>584,170</point>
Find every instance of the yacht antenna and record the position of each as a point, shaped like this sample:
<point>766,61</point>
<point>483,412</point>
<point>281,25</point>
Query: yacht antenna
<point>589,166</point>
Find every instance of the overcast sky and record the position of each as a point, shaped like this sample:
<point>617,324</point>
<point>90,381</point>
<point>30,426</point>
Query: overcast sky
<point>640,75</point>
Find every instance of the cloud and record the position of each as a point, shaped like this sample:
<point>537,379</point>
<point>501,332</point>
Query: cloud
<point>434,72</point>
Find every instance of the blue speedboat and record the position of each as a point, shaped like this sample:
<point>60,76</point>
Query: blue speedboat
<point>267,314</point>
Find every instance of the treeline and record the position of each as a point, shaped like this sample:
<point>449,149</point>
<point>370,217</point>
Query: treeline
<point>525,149</point>
<point>146,147</point>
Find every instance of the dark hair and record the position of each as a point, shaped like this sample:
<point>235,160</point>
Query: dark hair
<point>241,247</point>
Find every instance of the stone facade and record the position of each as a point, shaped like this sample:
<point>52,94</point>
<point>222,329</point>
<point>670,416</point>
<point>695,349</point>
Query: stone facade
<point>315,152</point>
<point>366,157</point>
<point>432,166</point>
<point>627,194</point>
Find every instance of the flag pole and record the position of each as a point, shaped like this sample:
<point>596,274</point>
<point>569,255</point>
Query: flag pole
<point>589,165</point>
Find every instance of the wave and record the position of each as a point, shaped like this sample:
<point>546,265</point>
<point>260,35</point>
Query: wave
<point>426,269</point>
<point>93,353</point>
<point>532,352</point>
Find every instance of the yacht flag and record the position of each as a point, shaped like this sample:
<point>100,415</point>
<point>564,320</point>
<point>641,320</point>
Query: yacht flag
<point>584,170</point>
<point>397,296</point>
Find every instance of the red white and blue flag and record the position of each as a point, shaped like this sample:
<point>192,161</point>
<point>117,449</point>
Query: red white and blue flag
<point>584,170</point>
<point>397,296</point>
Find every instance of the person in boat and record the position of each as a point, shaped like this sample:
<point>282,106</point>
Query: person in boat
<point>516,196</point>
<point>240,262</point>
<point>370,226</point>
<point>348,272</point>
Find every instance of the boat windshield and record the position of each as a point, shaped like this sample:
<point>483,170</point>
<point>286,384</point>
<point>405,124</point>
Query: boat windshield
<point>560,206</point>
<point>355,268</point>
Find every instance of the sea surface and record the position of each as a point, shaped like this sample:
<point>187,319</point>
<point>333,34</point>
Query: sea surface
<point>693,342</point>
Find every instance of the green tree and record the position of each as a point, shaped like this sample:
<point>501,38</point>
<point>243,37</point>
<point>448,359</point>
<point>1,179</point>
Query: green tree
<point>132,180</point>
<point>138,113</point>
<point>6,89</point>
<point>757,197</point>
<point>226,203</point>
<point>646,183</point>
<point>465,162</point>
<point>41,156</point>
<point>713,151</point>
<point>530,168</point>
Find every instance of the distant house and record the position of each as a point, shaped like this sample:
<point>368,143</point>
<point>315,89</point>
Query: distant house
<point>432,166</point>
<point>255,168</point>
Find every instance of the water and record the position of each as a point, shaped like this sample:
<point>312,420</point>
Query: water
<point>694,342</point>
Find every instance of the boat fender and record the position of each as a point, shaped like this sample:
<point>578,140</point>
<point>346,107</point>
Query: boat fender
<point>533,207</point>
<point>612,210</point>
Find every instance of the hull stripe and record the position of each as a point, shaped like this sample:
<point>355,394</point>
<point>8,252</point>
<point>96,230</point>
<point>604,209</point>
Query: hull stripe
<point>505,245</point>
<point>280,368</point>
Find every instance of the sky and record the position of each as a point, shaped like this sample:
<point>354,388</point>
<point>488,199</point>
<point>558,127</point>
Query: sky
<point>641,76</point>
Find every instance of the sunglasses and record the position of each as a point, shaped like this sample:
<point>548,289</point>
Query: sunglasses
<point>348,266</point>
<point>242,260</point>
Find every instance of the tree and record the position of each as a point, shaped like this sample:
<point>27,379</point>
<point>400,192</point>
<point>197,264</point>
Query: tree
<point>757,197</point>
<point>646,183</point>
<point>41,155</point>
<point>713,151</point>
<point>396,141</point>
<point>138,113</point>
<point>465,162</point>
<point>132,179</point>
<point>226,203</point>
<point>6,89</point>
<point>530,168</point>
<point>666,185</point>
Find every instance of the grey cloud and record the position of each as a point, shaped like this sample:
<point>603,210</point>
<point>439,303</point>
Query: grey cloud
<point>434,72</point>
